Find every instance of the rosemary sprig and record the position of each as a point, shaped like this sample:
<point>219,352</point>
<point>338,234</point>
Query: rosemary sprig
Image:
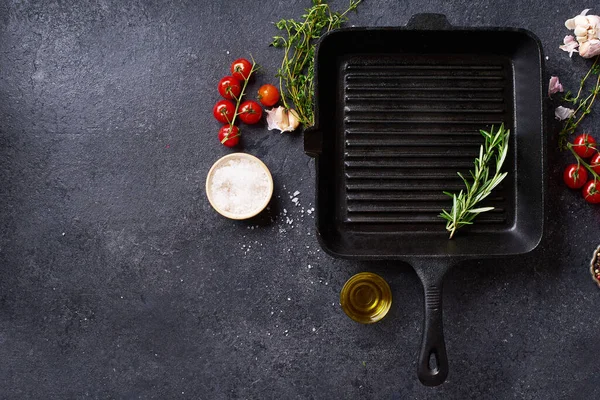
<point>584,105</point>
<point>296,74</point>
<point>463,210</point>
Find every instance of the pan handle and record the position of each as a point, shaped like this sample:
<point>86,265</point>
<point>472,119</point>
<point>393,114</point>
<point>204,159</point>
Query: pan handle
<point>428,21</point>
<point>432,368</point>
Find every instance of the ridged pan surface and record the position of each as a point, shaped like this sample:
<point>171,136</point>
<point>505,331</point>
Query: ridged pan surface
<point>410,123</point>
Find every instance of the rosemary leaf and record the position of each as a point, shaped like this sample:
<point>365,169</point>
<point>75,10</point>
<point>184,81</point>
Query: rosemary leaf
<point>492,153</point>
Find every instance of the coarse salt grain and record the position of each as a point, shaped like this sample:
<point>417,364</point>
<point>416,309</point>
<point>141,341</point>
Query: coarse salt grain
<point>239,186</point>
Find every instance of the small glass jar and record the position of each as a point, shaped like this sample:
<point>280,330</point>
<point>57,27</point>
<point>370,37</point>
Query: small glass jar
<point>366,297</point>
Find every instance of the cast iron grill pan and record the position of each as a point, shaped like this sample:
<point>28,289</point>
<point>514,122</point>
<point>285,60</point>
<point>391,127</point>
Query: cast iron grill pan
<point>398,113</point>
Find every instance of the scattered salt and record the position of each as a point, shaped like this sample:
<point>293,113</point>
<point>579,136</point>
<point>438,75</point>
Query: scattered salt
<point>296,193</point>
<point>239,186</point>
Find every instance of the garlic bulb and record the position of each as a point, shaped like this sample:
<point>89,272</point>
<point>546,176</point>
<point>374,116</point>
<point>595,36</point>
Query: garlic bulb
<point>586,29</point>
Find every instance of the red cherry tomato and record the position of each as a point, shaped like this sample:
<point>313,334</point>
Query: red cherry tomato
<point>575,176</point>
<point>584,145</point>
<point>595,163</point>
<point>250,112</point>
<point>224,111</point>
<point>229,135</point>
<point>268,95</point>
<point>230,87</point>
<point>591,192</point>
<point>241,68</point>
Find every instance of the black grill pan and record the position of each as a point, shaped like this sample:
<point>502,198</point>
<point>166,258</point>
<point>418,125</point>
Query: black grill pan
<point>398,113</point>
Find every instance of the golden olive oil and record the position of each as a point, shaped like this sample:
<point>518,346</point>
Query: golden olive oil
<point>366,298</point>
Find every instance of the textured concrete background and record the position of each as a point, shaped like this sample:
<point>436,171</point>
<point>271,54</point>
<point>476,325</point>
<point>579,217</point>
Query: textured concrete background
<point>117,279</point>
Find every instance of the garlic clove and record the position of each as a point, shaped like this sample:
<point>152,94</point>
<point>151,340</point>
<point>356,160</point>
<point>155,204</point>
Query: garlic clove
<point>281,119</point>
<point>570,23</point>
<point>561,113</point>
<point>554,86</point>
<point>590,48</point>
<point>594,20</point>
<point>570,45</point>
<point>580,20</point>
<point>277,119</point>
<point>580,31</point>
<point>294,120</point>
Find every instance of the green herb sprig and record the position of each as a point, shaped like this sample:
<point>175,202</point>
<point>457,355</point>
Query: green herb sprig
<point>584,105</point>
<point>492,152</point>
<point>297,71</point>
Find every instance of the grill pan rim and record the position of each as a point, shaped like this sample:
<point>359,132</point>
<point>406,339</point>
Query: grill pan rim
<point>313,147</point>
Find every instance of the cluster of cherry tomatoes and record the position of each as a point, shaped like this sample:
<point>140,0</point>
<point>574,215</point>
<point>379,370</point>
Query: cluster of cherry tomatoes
<point>232,88</point>
<point>576,175</point>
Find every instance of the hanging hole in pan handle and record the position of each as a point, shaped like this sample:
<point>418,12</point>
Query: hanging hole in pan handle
<point>432,368</point>
<point>313,141</point>
<point>433,361</point>
<point>429,21</point>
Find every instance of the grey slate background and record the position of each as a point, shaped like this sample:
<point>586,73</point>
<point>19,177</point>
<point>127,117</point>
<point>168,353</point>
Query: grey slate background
<point>117,279</point>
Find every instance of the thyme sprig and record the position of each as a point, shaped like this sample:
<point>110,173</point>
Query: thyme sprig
<point>492,153</point>
<point>297,71</point>
<point>584,105</point>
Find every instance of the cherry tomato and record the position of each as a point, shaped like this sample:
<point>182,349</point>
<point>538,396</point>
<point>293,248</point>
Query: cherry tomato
<point>250,112</point>
<point>591,192</point>
<point>229,135</point>
<point>224,111</point>
<point>241,68</point>
<point>575,176</point>
<point>268,95</point>
<point>230,87</point>
<point>584,145</point>
<point>595,163</point>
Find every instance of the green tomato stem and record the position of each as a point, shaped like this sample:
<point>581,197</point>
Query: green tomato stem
<point>581,161</point>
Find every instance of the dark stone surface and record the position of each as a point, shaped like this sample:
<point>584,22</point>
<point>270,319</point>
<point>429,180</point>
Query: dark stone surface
<point>117,279</point>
